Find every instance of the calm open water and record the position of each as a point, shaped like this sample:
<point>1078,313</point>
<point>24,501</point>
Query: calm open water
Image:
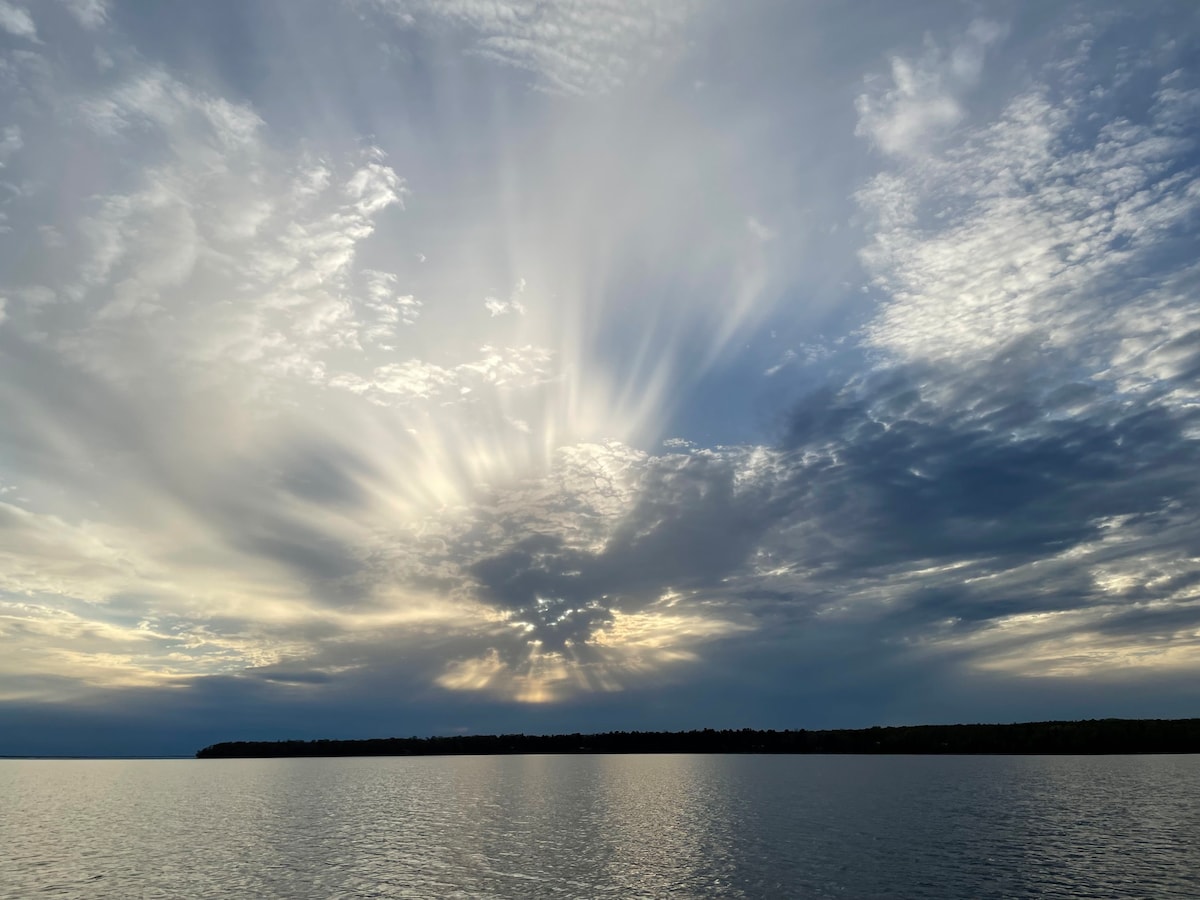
<point>603,826</point>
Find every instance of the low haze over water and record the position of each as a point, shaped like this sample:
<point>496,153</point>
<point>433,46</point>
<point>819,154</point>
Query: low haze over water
<point>603,826</point>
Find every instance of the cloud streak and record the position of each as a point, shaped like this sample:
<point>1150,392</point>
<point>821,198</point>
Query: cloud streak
<point>572,47</point>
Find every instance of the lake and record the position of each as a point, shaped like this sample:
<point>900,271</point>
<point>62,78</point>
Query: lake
<point>602,826</point>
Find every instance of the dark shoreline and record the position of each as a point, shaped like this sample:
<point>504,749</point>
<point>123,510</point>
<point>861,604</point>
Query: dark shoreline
<point>1086,737</point>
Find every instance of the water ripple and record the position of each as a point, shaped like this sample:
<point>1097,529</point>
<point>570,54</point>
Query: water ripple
<point>602,826</point>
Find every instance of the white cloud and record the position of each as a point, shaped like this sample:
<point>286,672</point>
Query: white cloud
<point>196,124</point>
<point>10,143</point>
<point>411,379</point>
<point>789,357</point>
<point>1024,231</point>
<point>17,21</point>
<point>572,46</point>
<point>497,307</point>
<point>375,186</point>
<point>519,368</point>
<point>218,213</point>
<point>89,13</point>
<point>385,308</point>
<point>512,366</point>
<point>760,231</point>
<point>923,101</point>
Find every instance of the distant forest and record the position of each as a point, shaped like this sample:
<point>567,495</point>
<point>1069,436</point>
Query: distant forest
<point>1093,736</point>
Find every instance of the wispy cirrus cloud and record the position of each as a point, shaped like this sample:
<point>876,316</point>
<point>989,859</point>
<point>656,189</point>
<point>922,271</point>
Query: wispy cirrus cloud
<point>572,47</point>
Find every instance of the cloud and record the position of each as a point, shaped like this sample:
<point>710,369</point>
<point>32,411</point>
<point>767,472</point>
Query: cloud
<point>1042,226</point>
<point>1029,336</point>
<point>89,13</point>
<point>262,460</point>
<point>496,307</point>
<point>221,213</point>
<point>16,21</point>
<point>571,47</point>
<point>789,357</point>
<point>390,308</point>
<point>10,143</point>
<point>923,101</point>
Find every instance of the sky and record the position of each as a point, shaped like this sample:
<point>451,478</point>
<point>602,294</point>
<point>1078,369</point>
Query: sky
<point>411,367</point>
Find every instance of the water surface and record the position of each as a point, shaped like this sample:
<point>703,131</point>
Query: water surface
<point>602,826</point>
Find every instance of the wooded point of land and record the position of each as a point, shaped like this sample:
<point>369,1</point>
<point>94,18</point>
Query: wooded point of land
<point>1091,736</point>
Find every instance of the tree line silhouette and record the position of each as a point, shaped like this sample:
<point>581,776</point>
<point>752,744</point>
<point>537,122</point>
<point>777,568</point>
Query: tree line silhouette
<point>1091,736</point>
